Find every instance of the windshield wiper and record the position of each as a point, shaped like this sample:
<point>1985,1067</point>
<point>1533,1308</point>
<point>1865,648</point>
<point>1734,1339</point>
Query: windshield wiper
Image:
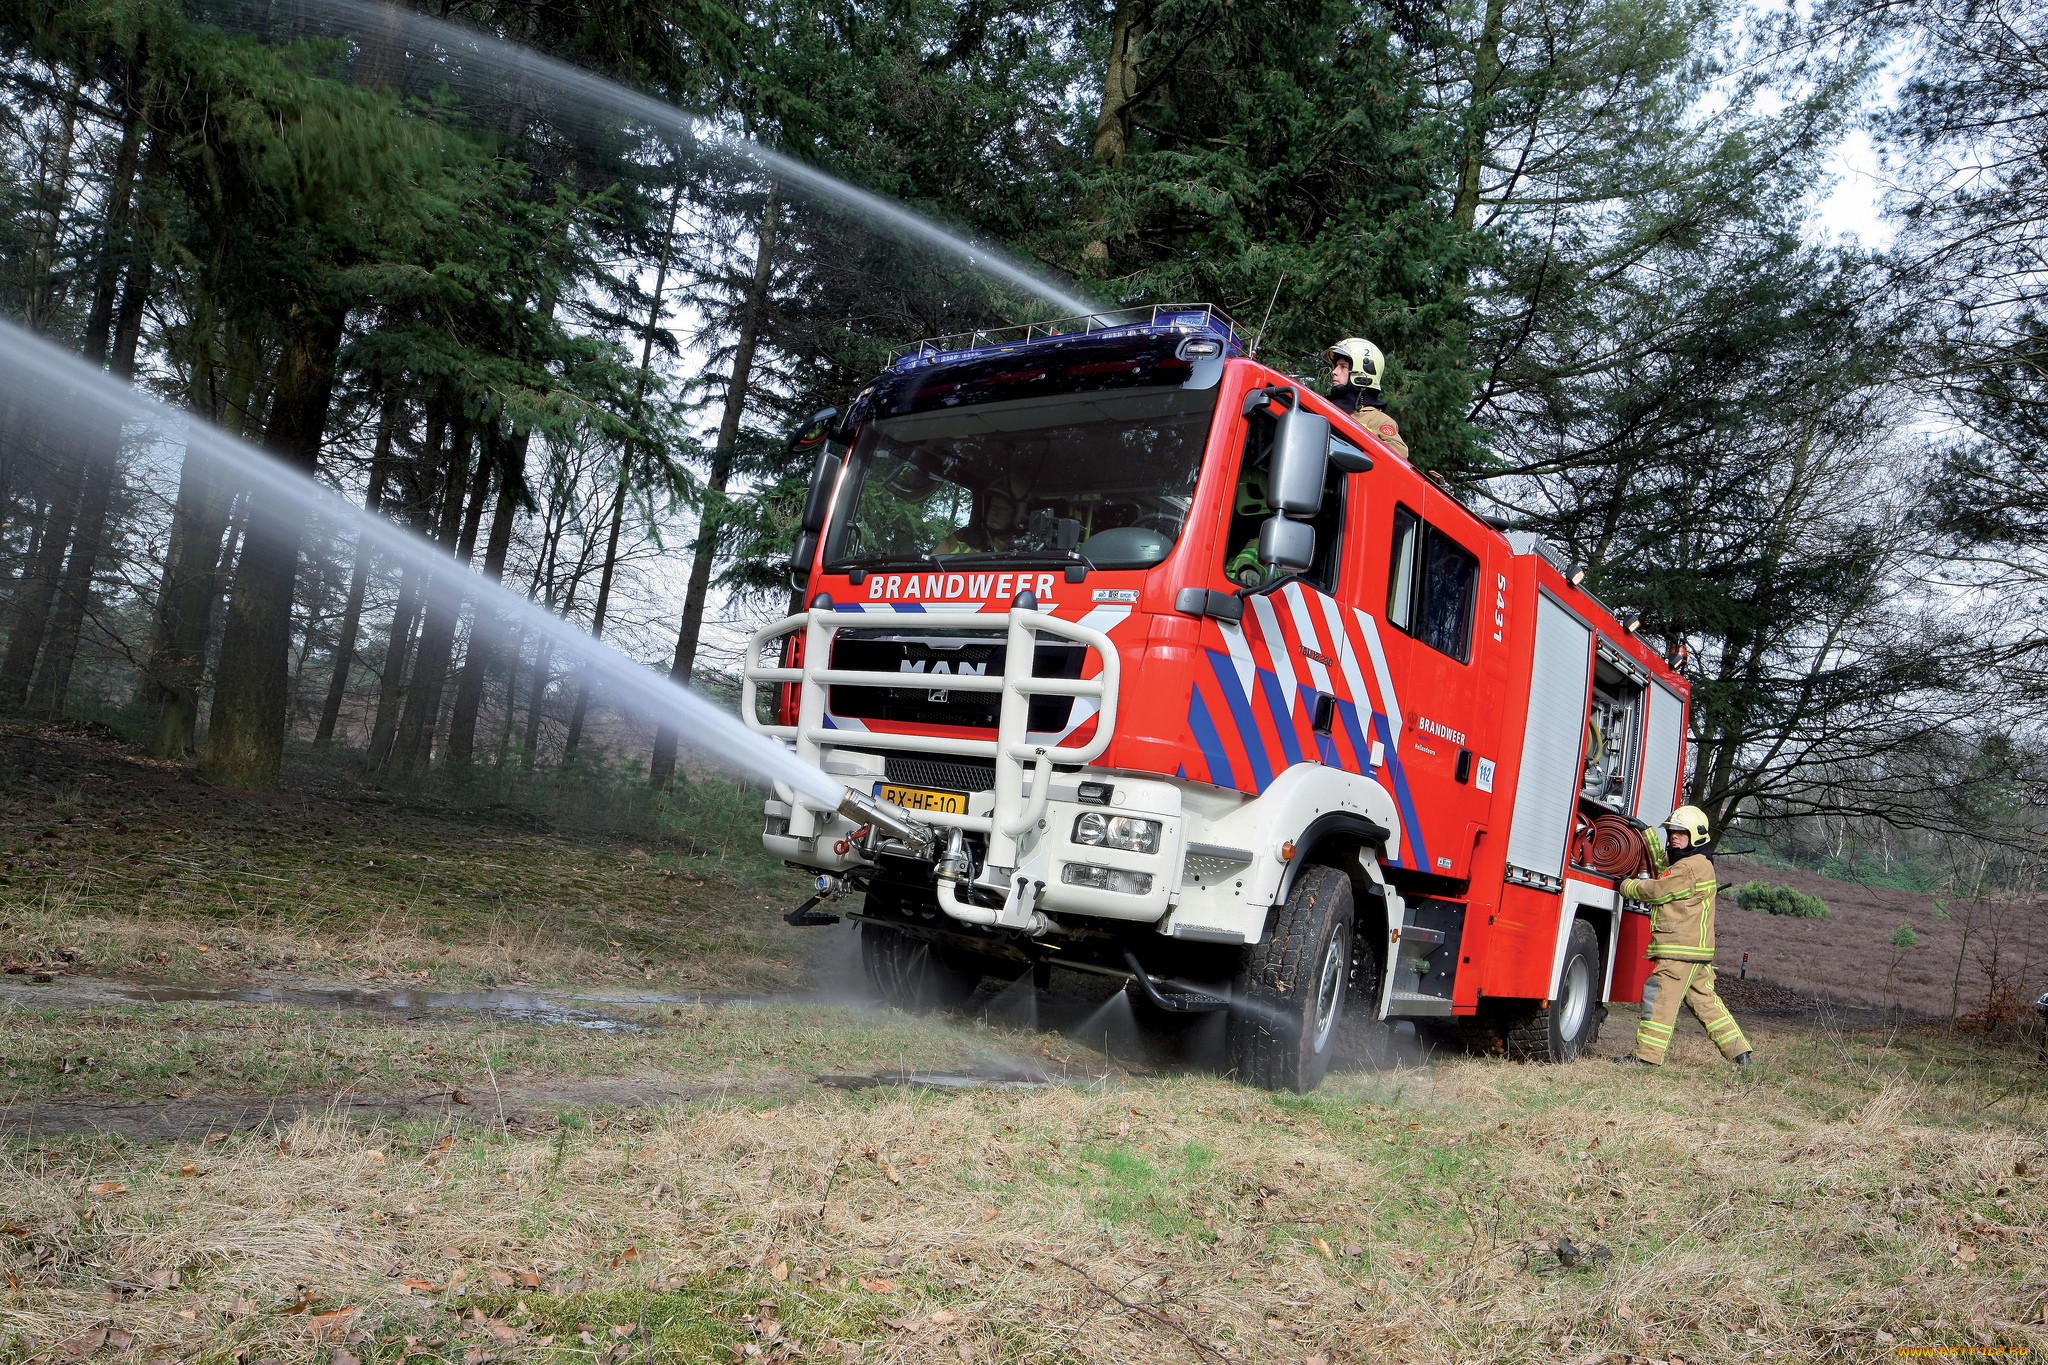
<point>886,561</point>
<point>1034,556</point>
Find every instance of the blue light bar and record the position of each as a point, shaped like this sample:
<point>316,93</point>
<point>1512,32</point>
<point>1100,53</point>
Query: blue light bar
<point>1159,319</point>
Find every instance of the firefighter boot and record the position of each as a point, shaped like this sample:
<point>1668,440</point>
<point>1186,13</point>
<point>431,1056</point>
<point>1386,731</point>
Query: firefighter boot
<point>1630,1059</point>
<point>1705,1003</point>
<point>1744,1060</point>
<point>1674,983</point>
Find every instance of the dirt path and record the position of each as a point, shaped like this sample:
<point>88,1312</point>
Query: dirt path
<point>527,1107</point>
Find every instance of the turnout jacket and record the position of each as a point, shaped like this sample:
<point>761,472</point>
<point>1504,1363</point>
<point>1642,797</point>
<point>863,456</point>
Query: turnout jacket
<point>1371,411</point>
<point>1681,908</point>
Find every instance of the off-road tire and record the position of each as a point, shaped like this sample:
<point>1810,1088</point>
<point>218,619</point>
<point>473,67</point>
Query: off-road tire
<point>1291,993</point>
<point>912,974</point>
<point>1566,1028</point>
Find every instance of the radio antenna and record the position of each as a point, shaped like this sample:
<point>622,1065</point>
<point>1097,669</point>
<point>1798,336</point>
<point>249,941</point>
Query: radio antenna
<point>1261,334</point>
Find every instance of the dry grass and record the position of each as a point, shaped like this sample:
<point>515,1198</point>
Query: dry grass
<point>188,1049</point>
<point>1857,1195</point>
<point>114,863</point>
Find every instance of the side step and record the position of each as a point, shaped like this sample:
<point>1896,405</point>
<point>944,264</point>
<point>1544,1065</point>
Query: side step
<point>1410,1005</point>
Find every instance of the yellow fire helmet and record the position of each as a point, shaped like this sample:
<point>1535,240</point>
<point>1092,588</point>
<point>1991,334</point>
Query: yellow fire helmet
<point>1692,820</point>
<point>1367,364</point>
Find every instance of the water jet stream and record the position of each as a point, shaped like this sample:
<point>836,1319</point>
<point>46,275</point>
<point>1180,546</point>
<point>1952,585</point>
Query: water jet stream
<point>501,65</point>
<point>62,390</point>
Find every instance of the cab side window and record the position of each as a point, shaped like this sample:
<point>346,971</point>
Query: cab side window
<point>1401,594</point>
<point>1250,511</point>
<point>1431,582</point>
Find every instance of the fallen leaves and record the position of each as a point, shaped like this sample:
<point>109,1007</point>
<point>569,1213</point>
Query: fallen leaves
<point>879,1286</point>
<point>334,1320</point>
<point>110,1187</point>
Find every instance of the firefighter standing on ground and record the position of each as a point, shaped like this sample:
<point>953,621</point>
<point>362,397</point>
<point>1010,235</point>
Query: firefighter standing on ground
<point>1356,367</point>
<point>1682,944</point>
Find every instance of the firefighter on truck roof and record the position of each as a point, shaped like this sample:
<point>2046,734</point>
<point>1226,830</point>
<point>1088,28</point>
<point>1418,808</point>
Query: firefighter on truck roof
<point>1356,368</point>
<point>1682,944</point>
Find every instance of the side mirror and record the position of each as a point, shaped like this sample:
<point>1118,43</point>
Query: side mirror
<point>1294,488</point>
<point>824,479</point>
<point>800,560</point>
<point>817,433</point>
<point>1285,544</point>
<point>1301,454</point>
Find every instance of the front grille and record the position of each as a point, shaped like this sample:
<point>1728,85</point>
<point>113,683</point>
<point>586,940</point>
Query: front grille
<point>941,774</point>
<point>925,699</point>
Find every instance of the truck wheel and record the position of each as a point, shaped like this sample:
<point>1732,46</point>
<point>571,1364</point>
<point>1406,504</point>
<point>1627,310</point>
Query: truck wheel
<point>1565,1029</point>
<point>912,974</point>
<point>1291,994</point>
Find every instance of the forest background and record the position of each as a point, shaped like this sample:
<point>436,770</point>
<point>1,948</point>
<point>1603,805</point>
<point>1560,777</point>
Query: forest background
<point>570,348</point>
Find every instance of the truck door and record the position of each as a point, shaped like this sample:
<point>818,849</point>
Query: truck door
<point>1285,685</point>
<point>1432,605</point>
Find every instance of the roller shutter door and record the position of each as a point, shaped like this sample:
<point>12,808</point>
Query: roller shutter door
<point>1664,746</point>
<point>1551,746</point>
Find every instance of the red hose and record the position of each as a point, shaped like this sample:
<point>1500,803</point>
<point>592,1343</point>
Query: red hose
<point>1610,845</point>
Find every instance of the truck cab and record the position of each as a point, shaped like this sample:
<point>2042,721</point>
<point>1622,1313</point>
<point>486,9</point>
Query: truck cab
<point>1140,657</point>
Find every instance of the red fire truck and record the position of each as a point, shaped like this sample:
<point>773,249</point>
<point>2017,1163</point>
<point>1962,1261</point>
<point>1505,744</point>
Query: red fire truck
<point>1356,785</point>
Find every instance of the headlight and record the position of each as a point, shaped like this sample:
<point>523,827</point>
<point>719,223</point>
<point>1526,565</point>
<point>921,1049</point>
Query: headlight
<point>1126,832</point>
<point>1107,878</point>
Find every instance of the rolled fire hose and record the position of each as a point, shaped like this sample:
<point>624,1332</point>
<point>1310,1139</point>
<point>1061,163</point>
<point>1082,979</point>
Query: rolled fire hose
<point>1611,845</point>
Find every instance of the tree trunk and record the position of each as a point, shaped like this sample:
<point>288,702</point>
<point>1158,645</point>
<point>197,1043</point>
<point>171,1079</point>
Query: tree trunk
<point>116,252</point>
<point>359,579</point>
<point>537,690</point>
<point>487,631</point>
<point>412,748</point>
<point>54,190</point>
<point>543,574</point>
<point>191,585</point>
<point>515,656</point>
<point>604,597</point>
<point>1113,119</point>
<point>661,767</point>
<point>74,594</point>
<point>405,616</point>
<point>1485,75</point>
<point>611,549</point>
<point>191,589</point>
<point>490,451</point>
<point>34,596</point>
<point>245,731</point>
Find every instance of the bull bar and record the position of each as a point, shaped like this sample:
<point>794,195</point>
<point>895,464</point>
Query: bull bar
<point>1011,749</point>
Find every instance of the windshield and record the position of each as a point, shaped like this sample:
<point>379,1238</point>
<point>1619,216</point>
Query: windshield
<point>1101,477</point>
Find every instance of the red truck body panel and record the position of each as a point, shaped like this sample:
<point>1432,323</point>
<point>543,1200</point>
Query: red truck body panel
<point>1232,704</point>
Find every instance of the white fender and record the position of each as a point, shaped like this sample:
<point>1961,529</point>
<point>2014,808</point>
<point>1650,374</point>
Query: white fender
<point>1303,801</point>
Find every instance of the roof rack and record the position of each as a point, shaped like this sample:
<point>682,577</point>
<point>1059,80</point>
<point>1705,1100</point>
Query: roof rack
<point>1157,319</point>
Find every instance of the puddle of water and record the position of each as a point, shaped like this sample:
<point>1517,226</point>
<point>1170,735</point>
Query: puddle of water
<point>524,1006</point>
<point>992,1079</point>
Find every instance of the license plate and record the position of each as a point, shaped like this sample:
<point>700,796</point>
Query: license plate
<point>922,798</point>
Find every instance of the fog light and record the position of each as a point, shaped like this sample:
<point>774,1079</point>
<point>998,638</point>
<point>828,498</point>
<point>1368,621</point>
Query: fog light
<point>1107,878</point>
<point>1126,832</point>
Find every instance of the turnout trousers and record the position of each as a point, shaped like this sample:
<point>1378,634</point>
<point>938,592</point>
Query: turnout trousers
<point>1673,983</point>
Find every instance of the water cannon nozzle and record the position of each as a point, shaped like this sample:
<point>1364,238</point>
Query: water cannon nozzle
<point>891,820</point>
